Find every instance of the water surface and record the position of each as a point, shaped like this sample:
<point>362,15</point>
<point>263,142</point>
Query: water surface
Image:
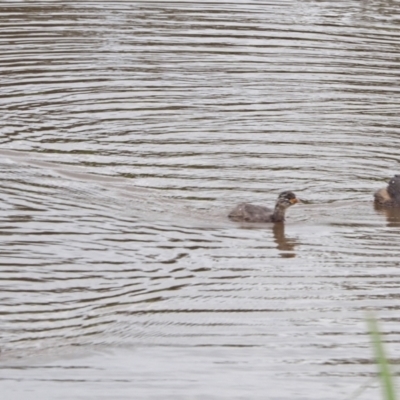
<point>129,130</point>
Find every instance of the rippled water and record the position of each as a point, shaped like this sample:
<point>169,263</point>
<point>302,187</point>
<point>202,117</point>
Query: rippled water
<point>129,130</point>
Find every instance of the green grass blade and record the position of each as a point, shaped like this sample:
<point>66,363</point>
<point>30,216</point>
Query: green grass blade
<point>384,368</point>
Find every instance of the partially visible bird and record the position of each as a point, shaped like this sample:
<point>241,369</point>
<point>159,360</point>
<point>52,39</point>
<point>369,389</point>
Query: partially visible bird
<point>251,213</point>
<point>389,196</point>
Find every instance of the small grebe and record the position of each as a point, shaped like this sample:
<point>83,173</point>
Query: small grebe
<point>251,213</point>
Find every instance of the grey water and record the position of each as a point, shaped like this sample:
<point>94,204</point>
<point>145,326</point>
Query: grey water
<point>129,130</point>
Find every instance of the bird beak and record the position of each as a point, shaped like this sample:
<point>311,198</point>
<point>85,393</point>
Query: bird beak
<point>294,201</point>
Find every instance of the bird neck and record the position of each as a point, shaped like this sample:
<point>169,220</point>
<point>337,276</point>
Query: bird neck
<point>279,214</point>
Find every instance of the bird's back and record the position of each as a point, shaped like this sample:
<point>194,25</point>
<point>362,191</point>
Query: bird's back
<point>382,196</point>
<point>251,213</point>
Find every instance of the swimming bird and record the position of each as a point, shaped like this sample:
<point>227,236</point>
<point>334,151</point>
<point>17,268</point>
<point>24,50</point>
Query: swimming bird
<point>390,195</point>
<point>251,213</point>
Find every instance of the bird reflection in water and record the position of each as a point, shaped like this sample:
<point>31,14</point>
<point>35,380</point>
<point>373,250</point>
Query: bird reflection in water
<point>392,214</point>
<point>284,244</point>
